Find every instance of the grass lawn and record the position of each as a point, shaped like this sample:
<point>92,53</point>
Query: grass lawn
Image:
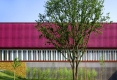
<point>6,75</point>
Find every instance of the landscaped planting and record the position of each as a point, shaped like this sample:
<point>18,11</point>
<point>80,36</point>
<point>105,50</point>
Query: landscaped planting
<point>59,74</point>
<point>51,74</point>
<point>8,75</point>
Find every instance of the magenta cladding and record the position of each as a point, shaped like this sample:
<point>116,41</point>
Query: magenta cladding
<point>24,35</point>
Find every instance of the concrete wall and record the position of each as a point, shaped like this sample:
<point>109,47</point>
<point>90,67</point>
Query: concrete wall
<point>67,64</point>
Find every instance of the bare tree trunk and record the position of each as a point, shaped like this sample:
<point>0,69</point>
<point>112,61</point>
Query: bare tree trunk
<point>76,74</point>
<point>73,70</point>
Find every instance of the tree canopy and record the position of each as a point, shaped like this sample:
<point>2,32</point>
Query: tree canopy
<point>67,24</point>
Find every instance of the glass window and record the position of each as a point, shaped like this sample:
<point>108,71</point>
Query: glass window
<point>49,55</point>
<point>19,54</point>
<point>24,54</point>
<point>39,55</point>
<point>34,54</point>
<point>29,54</point>
<point>5,54</point>
<point>0,55</point>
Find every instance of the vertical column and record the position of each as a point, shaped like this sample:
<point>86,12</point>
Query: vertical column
<point>115,55</point>
<point>91,55</point>
<point>17,54</point>
<point>51,54</point>
<point>41,55</point>
<point>102,54</point>
<point>7,56</point>
<point>98,54</point>
<point>105,54</point>
<point>95,54</point>
<point>22,55</point>
<point>81,57</point>
<point>27,55</point>
<point>56,55</point>
<point>31,54</point>
<point>37,55</point>
<point>46,55</point>
<point>86,55</point>
<point>108,54</point>
<point>2,55</point>
<point>12,58</point>
<point>61,56</point>
<point>66,56</point>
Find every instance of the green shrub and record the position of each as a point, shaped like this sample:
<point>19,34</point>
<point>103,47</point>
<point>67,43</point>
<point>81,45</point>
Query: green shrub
<point>39,74</point>
<point>63,74</point>
<point>34,73</point>
<point>28,72</point>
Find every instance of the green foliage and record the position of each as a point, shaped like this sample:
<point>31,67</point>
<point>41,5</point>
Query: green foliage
<point>103,66</point>
<point>8,75</point>
<point>67,24</point>
<point>64,74</point>
<point>89,74</point>
<point>80,74</point>
<point>101,61</point>
<point>9,72</point>
<point>16,63</point>
<point>74,19</point>
<point>39,74</point>
<point>34,73</point>
<point>28,72</point>
<point>94,74</point>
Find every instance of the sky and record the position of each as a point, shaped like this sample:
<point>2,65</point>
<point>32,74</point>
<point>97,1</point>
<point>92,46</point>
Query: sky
<point>28,10</point>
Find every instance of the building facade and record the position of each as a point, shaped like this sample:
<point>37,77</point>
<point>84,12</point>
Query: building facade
<point>22,40</point>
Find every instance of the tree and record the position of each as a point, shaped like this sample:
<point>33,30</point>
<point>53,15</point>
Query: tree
<point>67,24</point>
<point>16,63</point>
